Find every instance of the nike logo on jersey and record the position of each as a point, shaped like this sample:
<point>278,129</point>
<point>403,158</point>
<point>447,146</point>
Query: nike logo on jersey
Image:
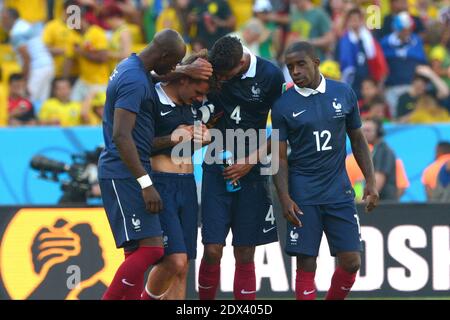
<point>307,293</point>
<point>124,281</point>
<point>243,291</point>
<point>164,113</point>
<point>295,115</point>
<point>267,230</point>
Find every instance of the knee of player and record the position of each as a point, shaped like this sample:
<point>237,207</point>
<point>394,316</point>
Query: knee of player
<point>178,264</point>
<point>351,265</point>
<point>212,254</point>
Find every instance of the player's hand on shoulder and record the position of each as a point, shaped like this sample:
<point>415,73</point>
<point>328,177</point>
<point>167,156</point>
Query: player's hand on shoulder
<point>153,202</point>
<point>371,197</point>
<point>291,210</point>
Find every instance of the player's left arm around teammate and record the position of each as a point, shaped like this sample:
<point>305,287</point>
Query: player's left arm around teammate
<point>363,158</point>
<point>280,179</point>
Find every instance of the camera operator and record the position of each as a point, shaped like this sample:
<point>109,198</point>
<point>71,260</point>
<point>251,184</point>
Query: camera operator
<point>83,182</point>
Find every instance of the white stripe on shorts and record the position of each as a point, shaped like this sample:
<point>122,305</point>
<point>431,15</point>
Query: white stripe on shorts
<point>121,210</point>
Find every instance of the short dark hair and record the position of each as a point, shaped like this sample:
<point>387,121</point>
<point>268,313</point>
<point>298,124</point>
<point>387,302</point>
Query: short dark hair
<point>13,13</point>
<point>371,80</point>
<point>377,100</point>
<point>302,46</point>
<point>226,54</point>
<point>444,147</point>
<point>16,77</point>
<point>352,11</point>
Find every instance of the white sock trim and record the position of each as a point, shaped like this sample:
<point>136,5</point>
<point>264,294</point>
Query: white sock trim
<point>152,295</point>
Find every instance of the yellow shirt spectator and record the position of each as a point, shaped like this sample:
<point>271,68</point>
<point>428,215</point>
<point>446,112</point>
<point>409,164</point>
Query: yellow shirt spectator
<point>55,111</point>
<point>168,19</point>
<point>32,11</point>
<point>57,35</point>
<point>91,72</point>
<point>242,10</point>
<point>3,106</point>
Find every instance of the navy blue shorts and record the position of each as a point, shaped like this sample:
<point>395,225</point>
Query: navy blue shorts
<point>247,212</point>
<point>125,208</point>
<point>339,221</point>
<point>180,214</point>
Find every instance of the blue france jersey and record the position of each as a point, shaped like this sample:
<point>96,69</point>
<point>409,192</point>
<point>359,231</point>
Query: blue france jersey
<point>168,116</point>
<point>246,100</point>
<point>315,126</point>
<point>129,88</point>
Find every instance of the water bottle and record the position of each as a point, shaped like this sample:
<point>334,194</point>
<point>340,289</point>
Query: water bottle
<point>227,161</point>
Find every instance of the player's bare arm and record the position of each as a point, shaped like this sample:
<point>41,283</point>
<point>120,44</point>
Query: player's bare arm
<point>200,69</point>
<point>281,180</point>
<point>363,158</point>
<point>122,137</point>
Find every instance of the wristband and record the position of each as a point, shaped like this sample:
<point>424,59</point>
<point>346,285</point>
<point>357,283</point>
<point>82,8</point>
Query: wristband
<point>145,181</point>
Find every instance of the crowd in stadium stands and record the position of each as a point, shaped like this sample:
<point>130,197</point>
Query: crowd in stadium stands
<point>394,53</point>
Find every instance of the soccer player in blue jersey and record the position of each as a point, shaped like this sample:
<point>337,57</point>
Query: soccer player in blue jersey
<point>130,200</point>
<point>250,87</point>
<point>172,175</point>
<point>315,116</point>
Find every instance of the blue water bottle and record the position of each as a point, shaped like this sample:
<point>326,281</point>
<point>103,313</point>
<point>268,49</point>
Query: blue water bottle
<point>227,161</point>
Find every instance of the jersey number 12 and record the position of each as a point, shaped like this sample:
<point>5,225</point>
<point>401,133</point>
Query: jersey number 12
<point>323,134</point>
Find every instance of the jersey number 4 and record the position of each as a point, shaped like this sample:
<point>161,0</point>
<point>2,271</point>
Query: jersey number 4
<point>325,134</point>
<point>236,114</point>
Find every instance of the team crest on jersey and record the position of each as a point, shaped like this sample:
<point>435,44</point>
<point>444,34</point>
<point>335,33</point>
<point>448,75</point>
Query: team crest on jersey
<point>338,109</point>
<point>256,92</point>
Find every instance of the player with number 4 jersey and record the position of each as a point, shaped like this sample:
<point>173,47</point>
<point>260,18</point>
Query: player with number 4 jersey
<point>250,86</point>
<point>315,117</point>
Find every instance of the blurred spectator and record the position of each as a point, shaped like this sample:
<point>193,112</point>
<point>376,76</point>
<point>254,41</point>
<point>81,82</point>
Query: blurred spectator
<point>263,10</point>
<point>197,45</point>
<point>175,16</point>
<point>92,108</point>
<point>371,94</point>
<point>442,191</point>
<point>34,58</point>
<point>213,19</point>
<point>377,109</point>
<point>383,160</point>
<point>242,10</point>
<point>92,53</point>
<point>404,51</point>
<point>121,42</point>
<point>360,55</point>
<point>59,38</point>
<point>439,54</point>
<point>419,88</point>
<point>20,109</point>
<point>252,34</point>
<point>338,10</point>
<point>330,69</point>
<point>430,174</point>
<point>60,110</point>
<point>357,178</point>
<point>312,24</point>
<point>425,11</point>
<point>427,110</point>
<point>32,11</point>
<point>398,6</point>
